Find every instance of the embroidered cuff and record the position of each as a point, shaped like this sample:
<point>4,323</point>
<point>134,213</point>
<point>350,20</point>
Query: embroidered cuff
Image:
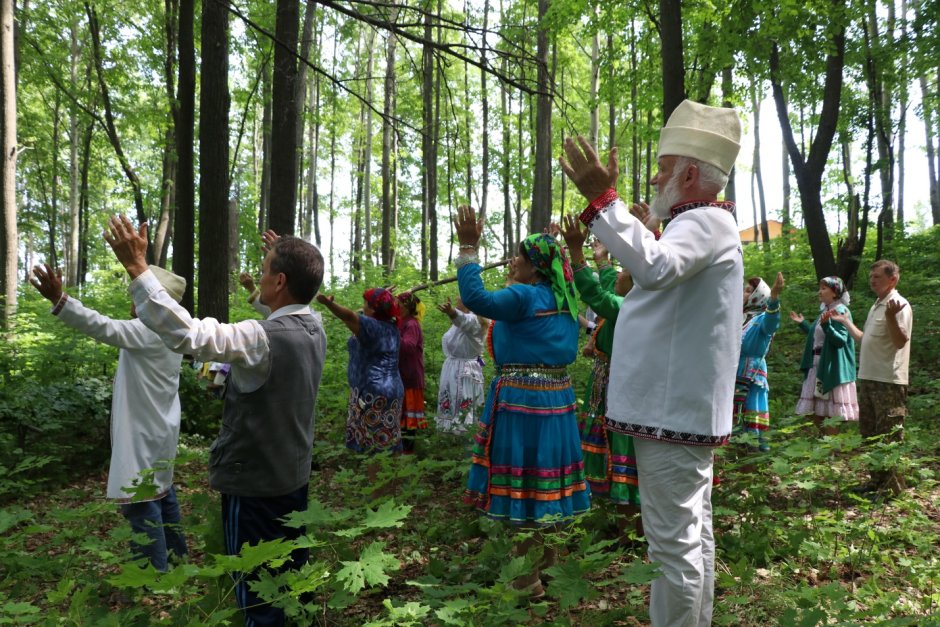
<point>579,267</point>
<point>59,305</point>
<point>464,259</point>
<point>597,205</point>
<point>773,306</point>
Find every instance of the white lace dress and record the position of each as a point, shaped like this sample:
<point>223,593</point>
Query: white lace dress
<point>460,396</point>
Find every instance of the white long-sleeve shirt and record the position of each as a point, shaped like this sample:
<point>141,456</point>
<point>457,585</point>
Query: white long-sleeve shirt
<point>145,406</point>
<point>464,339</point>
<point>243,344</point>
<point>678,334</point>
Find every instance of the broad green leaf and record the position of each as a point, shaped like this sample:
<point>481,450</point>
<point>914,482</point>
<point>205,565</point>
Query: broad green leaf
<point>569,584</point>
<point>387,515</point>
<point>369,569</point>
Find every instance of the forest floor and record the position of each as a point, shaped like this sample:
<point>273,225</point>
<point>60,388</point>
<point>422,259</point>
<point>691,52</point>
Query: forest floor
<point>795,545</point>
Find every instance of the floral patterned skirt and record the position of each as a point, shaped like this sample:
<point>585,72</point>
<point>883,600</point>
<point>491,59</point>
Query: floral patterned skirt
<point>372,422</point>
<point>460,396</point>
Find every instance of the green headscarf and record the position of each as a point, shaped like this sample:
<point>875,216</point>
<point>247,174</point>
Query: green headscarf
<point>552,262</point>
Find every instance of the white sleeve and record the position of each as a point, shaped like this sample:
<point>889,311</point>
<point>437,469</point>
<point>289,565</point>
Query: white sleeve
<point>244,343</point>
<point>684,249</point>
<point>262,309</point>
<point>129,334</point>
<point>468,323</point>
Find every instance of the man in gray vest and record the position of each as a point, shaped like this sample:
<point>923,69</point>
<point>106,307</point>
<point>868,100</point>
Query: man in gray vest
<point>261,460</point>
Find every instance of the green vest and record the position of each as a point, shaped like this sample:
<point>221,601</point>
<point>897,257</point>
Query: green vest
<point>837,358</point>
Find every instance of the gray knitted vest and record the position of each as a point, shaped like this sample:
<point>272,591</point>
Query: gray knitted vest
<point>265,444</point>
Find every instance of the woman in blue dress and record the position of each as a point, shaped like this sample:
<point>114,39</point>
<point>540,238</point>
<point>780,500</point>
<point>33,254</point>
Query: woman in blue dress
<point>527,467</point>
<point>761,321</point>
<point>375,387</point>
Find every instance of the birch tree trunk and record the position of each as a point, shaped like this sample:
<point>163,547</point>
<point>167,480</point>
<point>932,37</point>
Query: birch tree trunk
<point>8,237</point>
<point>71,257</point>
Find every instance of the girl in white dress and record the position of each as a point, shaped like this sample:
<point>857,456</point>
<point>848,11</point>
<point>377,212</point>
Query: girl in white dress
<point>460,397</point>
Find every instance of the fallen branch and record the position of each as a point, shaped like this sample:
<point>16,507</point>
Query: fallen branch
<point>451,279</point>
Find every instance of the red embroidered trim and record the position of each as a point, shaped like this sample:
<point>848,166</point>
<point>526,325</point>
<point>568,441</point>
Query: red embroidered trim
<point>597,205</point>
<point>59,305</point>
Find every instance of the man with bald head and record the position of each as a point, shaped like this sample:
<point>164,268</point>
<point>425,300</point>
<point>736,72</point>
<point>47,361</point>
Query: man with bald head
<point>676,342</point>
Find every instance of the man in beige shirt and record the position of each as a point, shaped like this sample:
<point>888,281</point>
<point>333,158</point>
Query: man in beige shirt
<point>882,374</point>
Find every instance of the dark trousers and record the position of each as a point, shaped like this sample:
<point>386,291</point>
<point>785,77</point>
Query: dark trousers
<point>160,520</point>
<point>253,520</point>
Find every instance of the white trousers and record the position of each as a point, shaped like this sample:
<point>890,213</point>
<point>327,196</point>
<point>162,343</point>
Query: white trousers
<point>676,505</point>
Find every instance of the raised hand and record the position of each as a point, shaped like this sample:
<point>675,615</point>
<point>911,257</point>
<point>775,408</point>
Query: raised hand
<point>268,240</point>
<point>601,254</point>
<point>796,317</point>
<point>838,317</point>
<point>469,229</point>
<point>574,236</point>
<point>247,282</point>
<point>129,245</point>
<point>48,283</point>
<point>323,299</point>
<point>581,164</point>
<point>641,211</point>
<point>893,307</point>
<point>777,287</point>
<point>447,308</point>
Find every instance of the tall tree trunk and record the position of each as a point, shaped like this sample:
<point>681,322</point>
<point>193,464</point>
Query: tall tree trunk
<point>72,254</point>
<point>8,235</point>
<point>213,165</point>
<point>932,152</point>
<point>110,127</point>
<point>758,177</point>
<point>727,90</point>
<point>611,108</point>
<point>635,168</point>
<point>485,130</point>
<point>670,21</point>
<point>388,154</point>
<point>332,159</point>
<point>595,82</point>
<point>880,99</point>
<point>300,95</point>
<point>54,182</point>
<point>506,146</point>
<point>161,237</point>
<point>541,210</point>
<point>264,200</point>
<point>185,218</point>
<point>83,202</point>
<point>284,107</point>
<point>429,103</point>
<point>809,171</point>
<point>367,151</point>
<point>904,95</point>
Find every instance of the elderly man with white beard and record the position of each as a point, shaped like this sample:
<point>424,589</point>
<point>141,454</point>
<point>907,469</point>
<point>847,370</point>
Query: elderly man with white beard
<point>677,340</point>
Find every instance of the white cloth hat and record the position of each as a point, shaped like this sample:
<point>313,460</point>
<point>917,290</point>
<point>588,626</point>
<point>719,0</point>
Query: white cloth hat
<point>173,284</point>
<point>709,134</point>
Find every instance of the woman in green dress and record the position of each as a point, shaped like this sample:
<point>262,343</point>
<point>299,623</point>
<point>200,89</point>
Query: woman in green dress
<point>609,459</point>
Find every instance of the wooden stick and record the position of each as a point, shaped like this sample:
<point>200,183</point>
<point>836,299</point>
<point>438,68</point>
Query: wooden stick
<point>489,266</point>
